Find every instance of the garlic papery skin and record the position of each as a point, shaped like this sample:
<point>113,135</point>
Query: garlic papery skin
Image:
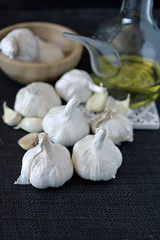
<point>30,125</point>
<point>10,117</point>
<point>120,106</point>
<point>35,99</point>
<point>46,165</point>
<point>119,127</point>
<point>97,101</point>
<point>66,124</point>
<point>20,44</point>
<point>28,141</point>
<point>95,157</point>
<point>48,52</point>
<point>73,82</point>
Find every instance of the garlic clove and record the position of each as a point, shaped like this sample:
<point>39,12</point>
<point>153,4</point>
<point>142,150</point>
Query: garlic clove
<point>97,101</point>
<point>120,106</point>
<point>10,117</point>
<point>46,165</point>
<point>28,141</point>
<point>30,125</point>
<point>95,157</point>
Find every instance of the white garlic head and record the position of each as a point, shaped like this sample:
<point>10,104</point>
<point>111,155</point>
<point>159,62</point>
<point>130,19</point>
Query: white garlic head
<point>73,82</point>
<point>46,165</point>
<point>78,82</point>
<point>66,124</point>
<point>120,106</point>
<point>119,127</point>
<point>35,99</point>
<point>20,44</point>
<point>95,157</point>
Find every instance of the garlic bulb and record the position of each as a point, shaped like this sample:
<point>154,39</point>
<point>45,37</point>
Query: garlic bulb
<point>66,124</point>
<point>30,125</point>
<point>35,99</point>
<point>97,102</point>
<point>120,106</point>
<point>20,44</point>
<point>48,52</point>
<point>77,82</point>
<point>46,165</point>
<point>28,141</point>
<point>95,157</point>
<point>10,117</point>
<point>119,128</point>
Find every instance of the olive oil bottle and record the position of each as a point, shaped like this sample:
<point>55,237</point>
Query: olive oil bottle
<point>138,76</point>
<point>124,53</point>
<point>135,35</point>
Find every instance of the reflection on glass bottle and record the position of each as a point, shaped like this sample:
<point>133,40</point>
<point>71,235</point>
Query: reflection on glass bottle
<point>135,36</point>
<point>101,55</point>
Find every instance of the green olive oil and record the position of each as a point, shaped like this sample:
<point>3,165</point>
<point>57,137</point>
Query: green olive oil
<point>138,76</point>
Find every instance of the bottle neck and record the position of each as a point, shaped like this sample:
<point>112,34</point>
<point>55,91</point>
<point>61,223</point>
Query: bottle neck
<point>141,7</point>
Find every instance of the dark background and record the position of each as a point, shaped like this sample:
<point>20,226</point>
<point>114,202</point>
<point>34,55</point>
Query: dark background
<point>125,208</point>
<point>49,4</point>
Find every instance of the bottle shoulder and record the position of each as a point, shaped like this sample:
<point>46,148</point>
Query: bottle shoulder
<point>127,26</point>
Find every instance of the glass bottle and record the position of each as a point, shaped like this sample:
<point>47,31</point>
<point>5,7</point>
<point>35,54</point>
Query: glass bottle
<point>134,34</point>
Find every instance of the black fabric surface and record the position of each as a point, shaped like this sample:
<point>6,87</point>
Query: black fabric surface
<point>124,208</point>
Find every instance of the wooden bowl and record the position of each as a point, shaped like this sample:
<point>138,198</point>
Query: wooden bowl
<point>26,72</point>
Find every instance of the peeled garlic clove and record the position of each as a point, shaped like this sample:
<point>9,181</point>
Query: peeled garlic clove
<point>10,117</point>
<point>120,106</point>
<point>31,124</point>
<point>95,157</point>
<point>97,101</point>
<point>28,141</point>
<point>66,124</point>
<point>46,165</point>
<point>119,127</point>
<point>36,99</point>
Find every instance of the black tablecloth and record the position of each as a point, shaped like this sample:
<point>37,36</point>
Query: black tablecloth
<point>124,208</point>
